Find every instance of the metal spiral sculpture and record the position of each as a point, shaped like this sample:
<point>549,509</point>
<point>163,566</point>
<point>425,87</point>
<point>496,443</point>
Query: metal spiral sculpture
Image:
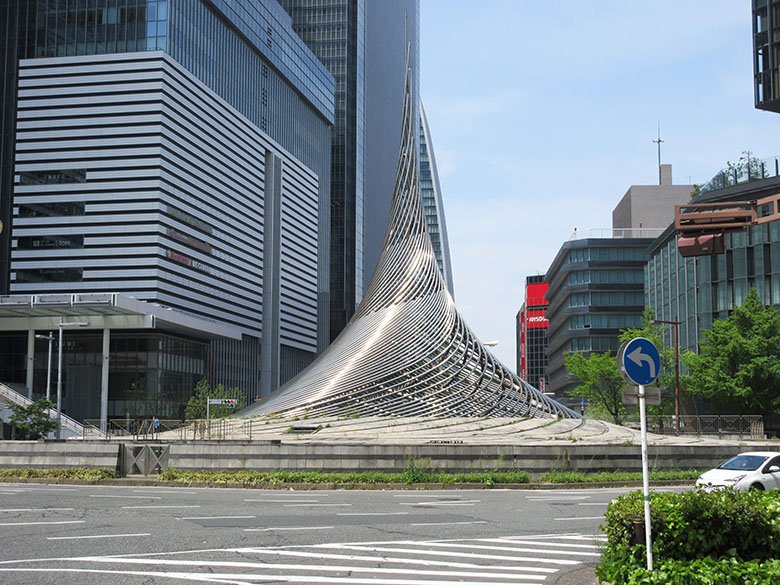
<point>407,351</point>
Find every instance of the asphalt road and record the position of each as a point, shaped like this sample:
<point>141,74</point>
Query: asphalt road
<point>63,534</point>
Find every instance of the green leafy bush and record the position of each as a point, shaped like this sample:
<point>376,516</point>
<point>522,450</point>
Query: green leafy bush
<point>556,476</point>
<point>88,475</point>
<point>715,528</point>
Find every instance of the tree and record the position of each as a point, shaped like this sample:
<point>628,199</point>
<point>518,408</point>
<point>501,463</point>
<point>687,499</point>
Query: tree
<point>738,364</point>
<point>196,406</point>
<point>31,422</point>
<point>599,381</point>
<point>654,332</point>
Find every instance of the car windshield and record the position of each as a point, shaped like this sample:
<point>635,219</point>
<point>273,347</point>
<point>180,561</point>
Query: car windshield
<point>744,463</point>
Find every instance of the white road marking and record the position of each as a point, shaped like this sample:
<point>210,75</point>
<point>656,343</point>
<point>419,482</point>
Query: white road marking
<point>42,523</point>
<point>447,523</point>
<point>502,548</point>
<point>283,501</point>
<point>126,497</point>
<point>159,491</point>
<point>372,514</point>
<point>450,554</point>
<point>36,509</point>
<point>580,518</point>
<point>556,498</point>
<point>383,559</point>
<point>96,536</point>
<point>283,528</point>
<point>443,503</point>
<point>318,568</point>
<point>316,505</point>
<point>593,504</point>
<point>160,507</point>
<point>539,542</point>
<point>216,517</point>
<point>248,579</point>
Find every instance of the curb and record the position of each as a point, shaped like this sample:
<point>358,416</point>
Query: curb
<point>145,481</point>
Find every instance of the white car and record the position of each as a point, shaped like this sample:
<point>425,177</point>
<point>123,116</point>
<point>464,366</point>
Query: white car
<point>756,470</point>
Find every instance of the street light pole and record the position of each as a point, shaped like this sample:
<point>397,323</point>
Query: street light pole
<point>50,337</point>
<point>62,325</point>
<point>676,339</point>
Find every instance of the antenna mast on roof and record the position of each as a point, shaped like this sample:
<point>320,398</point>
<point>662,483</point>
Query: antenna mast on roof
<point>658,141</point>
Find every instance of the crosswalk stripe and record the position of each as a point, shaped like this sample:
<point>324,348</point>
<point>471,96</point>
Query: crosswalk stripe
<point>396,560</point>
<point>319,568</point>
<point>539,542</point>
<point>503,548</point>
<point>453,554</point>
<point>246,579</point>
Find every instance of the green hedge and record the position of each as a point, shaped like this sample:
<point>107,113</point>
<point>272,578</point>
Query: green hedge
<point>730,536</point>
<point>88,475</point>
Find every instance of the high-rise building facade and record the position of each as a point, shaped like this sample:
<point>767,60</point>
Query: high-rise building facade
<point>364,45</point>
<point>531,333</point>
<point>766,54</point>
<point>433,205</point>
<point>596,290</point>
<point>176,153</point>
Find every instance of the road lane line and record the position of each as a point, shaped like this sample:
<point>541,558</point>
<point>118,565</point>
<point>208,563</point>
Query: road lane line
<point>216,517</point>
<point>160,507</point>
<point>283,528</point>
<point>42,523</point>
<point>556,498</point>
<point>284,501</point>
<point>156,491</point>
<point>316,505</point>
<point>126,497</point>
<point>448,523</point>
<point>453,503</point>
<point>579,518</point>
<point>96,536</point>
<point>36,509</point>
<point>372,514</point>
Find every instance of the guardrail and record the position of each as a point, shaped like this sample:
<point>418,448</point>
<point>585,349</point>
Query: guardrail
<point>751,425</point>
<point>66,422</point>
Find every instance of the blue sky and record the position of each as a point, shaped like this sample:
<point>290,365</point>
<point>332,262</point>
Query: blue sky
<point>543,113</point>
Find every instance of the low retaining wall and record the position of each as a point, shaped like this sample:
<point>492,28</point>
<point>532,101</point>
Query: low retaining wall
<point>534,459</point>
<point>53,454</point>
<point>276,455</point>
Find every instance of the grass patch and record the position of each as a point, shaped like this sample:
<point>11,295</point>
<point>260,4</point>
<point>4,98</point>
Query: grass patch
<point>616,476</point>
<point>412,475</point>
<point>88,475</point>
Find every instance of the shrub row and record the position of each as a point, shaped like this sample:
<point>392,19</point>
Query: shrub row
<point>88,475</point>
<point>728,533</point>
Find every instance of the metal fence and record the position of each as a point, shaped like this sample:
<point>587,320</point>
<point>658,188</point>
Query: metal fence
<point>744,425</point>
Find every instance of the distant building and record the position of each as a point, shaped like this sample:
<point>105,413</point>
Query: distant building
<point>649,206</point>
<point>531,332</point>
<point>597,283</point>
<point>697,290</point>
<point>596,290</point>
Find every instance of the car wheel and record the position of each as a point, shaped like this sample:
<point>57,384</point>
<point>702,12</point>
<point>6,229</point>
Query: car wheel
<point>757,487</point>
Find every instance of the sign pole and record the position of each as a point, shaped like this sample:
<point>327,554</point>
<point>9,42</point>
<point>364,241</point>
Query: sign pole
<point>645,478</point>
<point>208,407</point>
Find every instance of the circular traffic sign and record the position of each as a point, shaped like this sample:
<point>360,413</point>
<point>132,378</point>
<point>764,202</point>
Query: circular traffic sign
<point>639,361</point>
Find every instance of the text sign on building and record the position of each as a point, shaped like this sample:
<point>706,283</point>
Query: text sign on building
<point>639,361</point>
<point>536,320</point>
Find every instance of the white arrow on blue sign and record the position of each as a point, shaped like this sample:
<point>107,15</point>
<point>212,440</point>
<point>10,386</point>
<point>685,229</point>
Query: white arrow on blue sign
<point>639,361</point>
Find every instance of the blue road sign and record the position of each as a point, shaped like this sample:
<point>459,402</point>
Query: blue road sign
<point>639,361</point>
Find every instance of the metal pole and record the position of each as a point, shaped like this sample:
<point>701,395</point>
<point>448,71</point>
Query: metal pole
<point>677,373</point>
<point>645,478</point>
<point>48,369</point>
<point>59,383</point>
<point>208,407</point>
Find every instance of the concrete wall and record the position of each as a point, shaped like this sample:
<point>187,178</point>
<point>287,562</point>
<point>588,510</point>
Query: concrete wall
<point>273,455</point>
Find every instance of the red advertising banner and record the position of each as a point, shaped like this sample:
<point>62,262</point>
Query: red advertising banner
<point>536,320</point>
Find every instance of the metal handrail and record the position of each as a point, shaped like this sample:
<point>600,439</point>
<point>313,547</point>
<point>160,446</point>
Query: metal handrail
<point>66,422</point>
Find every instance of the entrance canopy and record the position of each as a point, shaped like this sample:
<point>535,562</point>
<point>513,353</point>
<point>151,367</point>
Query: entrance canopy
<point>104,311</point>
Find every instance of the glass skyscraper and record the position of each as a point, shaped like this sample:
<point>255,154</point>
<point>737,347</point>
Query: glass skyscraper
<point>171,152</point>
<point>364,45</point>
